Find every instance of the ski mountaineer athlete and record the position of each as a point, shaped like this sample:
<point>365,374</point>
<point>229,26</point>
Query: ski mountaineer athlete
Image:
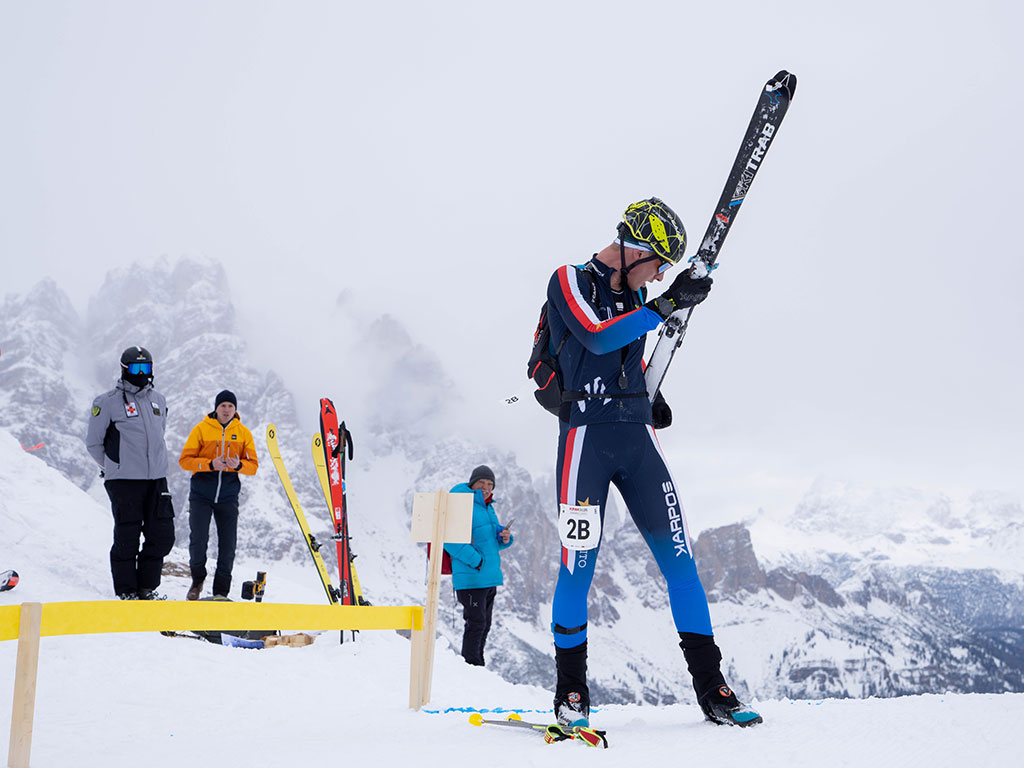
<point>600,313</point>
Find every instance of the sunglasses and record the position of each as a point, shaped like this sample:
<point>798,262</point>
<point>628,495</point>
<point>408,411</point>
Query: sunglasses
<point>663,266</point>
<point>137,368</point>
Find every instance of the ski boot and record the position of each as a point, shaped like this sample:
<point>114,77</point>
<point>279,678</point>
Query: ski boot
<point>572,710</point>
<point>721,707</point>
<point>572,696</point>
<point>717,701</point>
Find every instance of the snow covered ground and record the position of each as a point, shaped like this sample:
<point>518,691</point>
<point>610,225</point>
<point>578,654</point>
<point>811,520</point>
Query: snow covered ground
<point>148,700</point>
<point>131,699</point>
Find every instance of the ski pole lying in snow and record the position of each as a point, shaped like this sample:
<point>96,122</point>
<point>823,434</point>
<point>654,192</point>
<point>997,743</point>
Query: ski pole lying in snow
<point>551,732</point>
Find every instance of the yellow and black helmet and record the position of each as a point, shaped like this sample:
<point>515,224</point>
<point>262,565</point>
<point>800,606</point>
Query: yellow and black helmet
<point>652,226</point>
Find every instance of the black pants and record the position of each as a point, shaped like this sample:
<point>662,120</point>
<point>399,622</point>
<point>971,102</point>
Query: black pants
<point>142,509</point>
<point>477,605</point>
<point>225,514</point>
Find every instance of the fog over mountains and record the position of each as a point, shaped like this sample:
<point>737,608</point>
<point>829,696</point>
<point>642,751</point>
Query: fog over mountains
<point>857,592</point>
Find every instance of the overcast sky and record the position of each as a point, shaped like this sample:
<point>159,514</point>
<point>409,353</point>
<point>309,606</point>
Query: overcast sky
<point>442,159</point>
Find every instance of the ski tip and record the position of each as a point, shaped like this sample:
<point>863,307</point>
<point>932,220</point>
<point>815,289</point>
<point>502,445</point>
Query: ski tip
<point>592,737</point>
<point>476,719</point>
<point>784,80</point>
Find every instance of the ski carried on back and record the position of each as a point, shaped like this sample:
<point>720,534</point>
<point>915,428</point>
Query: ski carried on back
<point>764,125</point>
<point>319,461</point>
<point>311,542</point>
<point>551,732</point>
<point>8,580</point>
<point>335,437</point>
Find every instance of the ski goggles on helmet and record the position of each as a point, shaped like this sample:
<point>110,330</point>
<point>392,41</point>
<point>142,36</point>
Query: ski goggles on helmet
<point>136,368</point>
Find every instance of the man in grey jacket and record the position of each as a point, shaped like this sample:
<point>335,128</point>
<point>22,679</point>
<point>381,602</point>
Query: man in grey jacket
<point>126,438</point>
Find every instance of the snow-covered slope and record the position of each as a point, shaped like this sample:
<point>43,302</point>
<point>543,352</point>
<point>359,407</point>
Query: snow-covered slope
<point>127,700</point>
<point>54,534</point>
<point>131,699</point>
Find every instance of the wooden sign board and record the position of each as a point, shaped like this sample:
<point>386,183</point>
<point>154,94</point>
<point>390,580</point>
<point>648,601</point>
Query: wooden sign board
<point>458,521</point>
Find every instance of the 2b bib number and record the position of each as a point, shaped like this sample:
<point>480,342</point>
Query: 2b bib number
<point>579,527</point>
<point>578,530</point>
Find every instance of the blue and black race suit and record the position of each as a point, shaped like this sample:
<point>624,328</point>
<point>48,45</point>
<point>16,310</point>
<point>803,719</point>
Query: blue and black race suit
<point>604,349</point>
<point>608,438</point>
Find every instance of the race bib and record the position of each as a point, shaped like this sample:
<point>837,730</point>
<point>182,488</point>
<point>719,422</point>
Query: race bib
<point>579,527</point>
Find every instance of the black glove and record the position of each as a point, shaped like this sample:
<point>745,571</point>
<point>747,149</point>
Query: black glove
<point>661,414</point>
<point>684,292</point>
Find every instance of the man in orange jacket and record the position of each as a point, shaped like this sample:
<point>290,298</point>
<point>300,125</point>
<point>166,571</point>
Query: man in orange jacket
<point>217,451</point>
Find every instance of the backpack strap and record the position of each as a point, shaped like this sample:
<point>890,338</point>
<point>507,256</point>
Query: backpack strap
<point>573,396</point>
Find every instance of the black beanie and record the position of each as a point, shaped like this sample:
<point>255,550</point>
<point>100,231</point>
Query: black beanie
<point>483,472</point>
<point>225,396</point>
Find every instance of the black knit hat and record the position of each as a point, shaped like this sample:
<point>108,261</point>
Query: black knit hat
<point>483,472</point>
<point>225,396</point>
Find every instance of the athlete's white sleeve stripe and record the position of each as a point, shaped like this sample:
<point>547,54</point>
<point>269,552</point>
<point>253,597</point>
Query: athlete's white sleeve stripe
<point>574,288</point>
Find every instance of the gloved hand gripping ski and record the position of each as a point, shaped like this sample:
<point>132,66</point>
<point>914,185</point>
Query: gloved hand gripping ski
<point>685,291</point>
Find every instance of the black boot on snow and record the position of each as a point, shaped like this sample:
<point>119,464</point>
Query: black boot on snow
<point>572,696</point>
<point>716,699</point>
<point>721,707</point>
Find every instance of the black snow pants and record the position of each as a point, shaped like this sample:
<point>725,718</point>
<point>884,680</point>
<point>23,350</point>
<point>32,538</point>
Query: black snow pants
<point>142,509</point>
<point>225,514</point>
<point>477,606</point>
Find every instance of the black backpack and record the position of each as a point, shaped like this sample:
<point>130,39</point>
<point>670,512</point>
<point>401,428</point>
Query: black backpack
<point>543,364</point>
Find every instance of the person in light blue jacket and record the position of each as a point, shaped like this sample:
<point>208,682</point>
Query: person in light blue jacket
<point>476,567</point>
